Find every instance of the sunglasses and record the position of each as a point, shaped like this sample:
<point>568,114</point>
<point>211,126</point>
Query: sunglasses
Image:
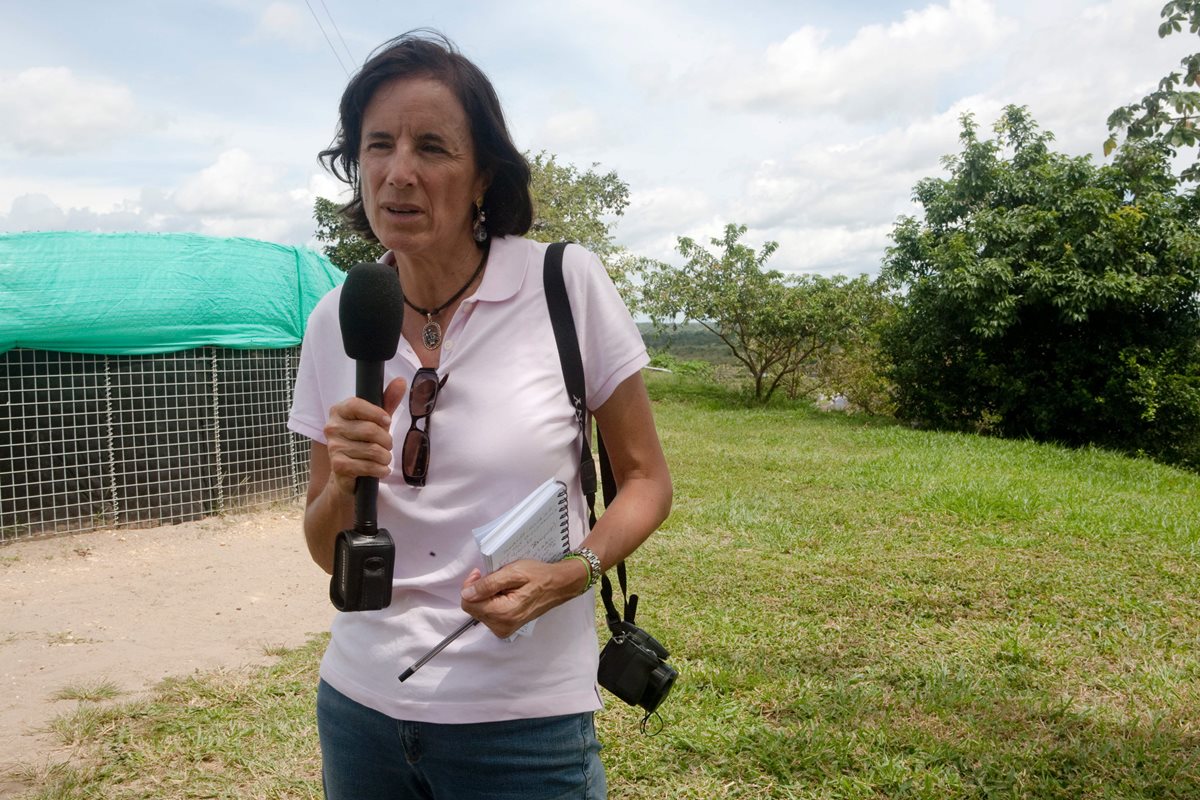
<point>422,397</point>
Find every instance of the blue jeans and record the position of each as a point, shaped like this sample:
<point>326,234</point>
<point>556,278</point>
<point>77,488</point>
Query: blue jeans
<point>370,756</point>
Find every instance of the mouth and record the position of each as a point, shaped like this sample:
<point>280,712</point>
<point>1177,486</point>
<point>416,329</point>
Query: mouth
<point>402,210</point>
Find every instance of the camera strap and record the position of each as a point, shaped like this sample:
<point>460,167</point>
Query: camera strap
<point>563,322</point>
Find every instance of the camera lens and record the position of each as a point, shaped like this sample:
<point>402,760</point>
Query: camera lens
<point>658,686</point>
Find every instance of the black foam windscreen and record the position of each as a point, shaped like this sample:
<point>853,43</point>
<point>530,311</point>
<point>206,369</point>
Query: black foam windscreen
<point>370,312</point>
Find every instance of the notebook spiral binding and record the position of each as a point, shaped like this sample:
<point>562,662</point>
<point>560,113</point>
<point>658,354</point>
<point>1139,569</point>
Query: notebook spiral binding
<point>563,515</point>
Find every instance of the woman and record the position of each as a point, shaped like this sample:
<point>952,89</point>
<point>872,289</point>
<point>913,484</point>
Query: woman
<point>438,181</point>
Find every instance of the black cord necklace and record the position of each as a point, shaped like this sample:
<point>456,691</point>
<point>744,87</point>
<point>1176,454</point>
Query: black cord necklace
<point>431,334</point>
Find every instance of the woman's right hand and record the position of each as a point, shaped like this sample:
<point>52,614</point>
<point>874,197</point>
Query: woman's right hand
<point>358,438</point>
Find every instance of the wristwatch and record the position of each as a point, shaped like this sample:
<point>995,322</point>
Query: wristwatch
<point>592,562</point>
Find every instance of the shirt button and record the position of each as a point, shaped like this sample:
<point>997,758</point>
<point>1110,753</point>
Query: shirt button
<point>449,344</point>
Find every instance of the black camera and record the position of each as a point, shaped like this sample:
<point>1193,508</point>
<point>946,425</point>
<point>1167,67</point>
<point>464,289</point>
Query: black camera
<point>362,570</point>
<point>633,667</point>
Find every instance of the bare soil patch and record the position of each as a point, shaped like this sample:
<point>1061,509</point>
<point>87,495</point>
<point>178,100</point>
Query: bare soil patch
<point>132,607</point>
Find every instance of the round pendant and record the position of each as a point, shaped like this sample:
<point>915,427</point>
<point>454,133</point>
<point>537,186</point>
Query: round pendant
<point>431,335</point>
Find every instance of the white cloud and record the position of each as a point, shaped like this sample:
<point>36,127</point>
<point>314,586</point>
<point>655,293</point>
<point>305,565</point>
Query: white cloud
<point>847,183</point>
<point>287,23</point>
<point>830,250</point>
<point>322,184</point>
<point>882,70</point>
<point>651,222</point>
<point>52,111</point>
<point>240,195</point>
<point>572,129</point>
<point>38,212</point>
<point>234,196</point>
<point>236,185</point>
<point>1073,65</point>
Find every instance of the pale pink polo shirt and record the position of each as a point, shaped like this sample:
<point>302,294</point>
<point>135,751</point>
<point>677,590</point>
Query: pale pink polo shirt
<point>502,426</point>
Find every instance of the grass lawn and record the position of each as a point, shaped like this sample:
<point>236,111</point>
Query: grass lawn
<point>856,610</point>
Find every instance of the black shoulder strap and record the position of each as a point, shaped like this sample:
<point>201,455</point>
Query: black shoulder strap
<point>563,322</point>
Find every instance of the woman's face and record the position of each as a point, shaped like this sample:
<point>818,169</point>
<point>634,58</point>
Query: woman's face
<point>417,168</point>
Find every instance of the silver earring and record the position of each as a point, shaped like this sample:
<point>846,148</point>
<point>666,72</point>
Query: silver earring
<point>479,230</point>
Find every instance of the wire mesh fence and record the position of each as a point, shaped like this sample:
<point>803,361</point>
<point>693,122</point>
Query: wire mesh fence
<point>92,441</point>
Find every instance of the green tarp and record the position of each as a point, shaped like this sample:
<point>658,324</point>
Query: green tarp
<point>130,294</point>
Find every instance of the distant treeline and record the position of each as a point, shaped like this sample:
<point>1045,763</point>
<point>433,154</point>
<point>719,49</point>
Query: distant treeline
<point>689,342</point>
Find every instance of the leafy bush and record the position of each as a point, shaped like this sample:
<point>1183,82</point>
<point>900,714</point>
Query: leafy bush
<point>1046,297</point>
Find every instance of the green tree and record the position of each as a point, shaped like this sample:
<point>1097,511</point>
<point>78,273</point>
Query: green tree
<point>339,242</point>
<point>775,326</point>
<point>1167,117</point>
<point>583,207</point>
<point>570,205</point>
<point>1046,297</point>
<point>857,368</point>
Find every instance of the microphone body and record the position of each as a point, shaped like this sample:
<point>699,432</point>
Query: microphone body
<point>370,313</point>
<point>368,384</point>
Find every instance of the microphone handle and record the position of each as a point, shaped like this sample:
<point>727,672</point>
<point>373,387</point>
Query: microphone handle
<point>368,384</point>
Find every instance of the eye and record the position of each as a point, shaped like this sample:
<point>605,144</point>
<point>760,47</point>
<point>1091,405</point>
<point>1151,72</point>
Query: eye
<point>432,143</point>
<point>376,143</point>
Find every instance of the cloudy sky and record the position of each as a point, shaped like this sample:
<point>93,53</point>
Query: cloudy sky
<point>807,120</point>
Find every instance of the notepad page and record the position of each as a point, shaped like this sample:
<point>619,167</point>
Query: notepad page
<point>490,535</point>
<point>534,528</point>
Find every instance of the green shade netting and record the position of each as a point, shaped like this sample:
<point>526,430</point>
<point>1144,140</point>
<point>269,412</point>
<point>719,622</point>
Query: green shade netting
<point>131,294</point>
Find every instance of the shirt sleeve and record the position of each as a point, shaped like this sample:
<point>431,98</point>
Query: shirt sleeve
<point>310,406</point>
<point>609,340</point>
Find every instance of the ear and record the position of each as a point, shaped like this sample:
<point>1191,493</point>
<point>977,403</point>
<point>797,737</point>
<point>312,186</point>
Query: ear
<point>483,183</point>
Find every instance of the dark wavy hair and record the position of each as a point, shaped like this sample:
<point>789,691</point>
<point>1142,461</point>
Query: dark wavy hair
<point>426,53</point>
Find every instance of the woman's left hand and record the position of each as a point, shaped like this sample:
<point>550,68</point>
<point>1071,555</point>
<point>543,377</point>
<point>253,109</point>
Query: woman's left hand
<point>523,590</point>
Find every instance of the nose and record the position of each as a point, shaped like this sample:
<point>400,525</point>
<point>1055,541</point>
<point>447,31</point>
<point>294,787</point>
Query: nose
<point>401,167</point>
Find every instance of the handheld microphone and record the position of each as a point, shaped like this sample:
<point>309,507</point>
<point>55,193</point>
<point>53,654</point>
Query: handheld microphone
<point>370,313</point>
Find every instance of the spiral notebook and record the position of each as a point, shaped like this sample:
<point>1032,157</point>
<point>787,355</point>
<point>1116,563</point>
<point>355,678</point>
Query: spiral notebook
<point>536,527</point>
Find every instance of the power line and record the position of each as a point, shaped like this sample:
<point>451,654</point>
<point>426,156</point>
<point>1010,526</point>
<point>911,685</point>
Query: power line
<point>337,31</point>
<point>332,49</point>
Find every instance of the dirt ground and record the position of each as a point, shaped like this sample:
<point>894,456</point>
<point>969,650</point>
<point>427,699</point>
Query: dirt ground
<point>135,606</point>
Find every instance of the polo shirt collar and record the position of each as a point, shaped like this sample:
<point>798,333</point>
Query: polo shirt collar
<point>504,274</point>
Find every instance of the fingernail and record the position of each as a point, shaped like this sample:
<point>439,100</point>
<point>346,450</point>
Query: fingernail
<point>469,593</point>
